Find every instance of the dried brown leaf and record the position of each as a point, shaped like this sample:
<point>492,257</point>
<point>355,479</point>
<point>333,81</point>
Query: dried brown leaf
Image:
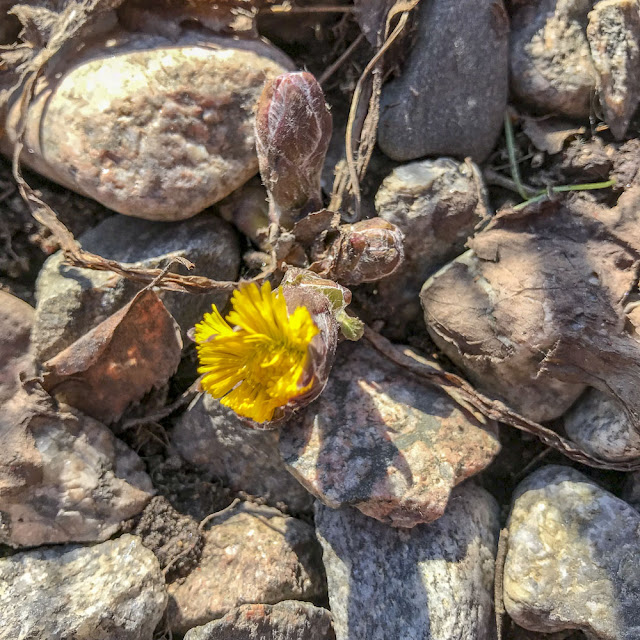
<point>133,351</point>
<point>550,134</point>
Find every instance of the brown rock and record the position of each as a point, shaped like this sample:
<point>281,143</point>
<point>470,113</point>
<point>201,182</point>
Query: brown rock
<point>288,620</point>
<point>64,477</point>
<point>150,126</point>
<point>551,66</point>
<point>16,320</point>
<point>436,204</point>
<point>380,440</point>
<point>614,38</point>
<point>250,554</point>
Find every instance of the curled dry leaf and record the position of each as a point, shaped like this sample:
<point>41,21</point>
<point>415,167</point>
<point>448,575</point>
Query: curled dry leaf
<point>133,351</point>
<point>539,308</point>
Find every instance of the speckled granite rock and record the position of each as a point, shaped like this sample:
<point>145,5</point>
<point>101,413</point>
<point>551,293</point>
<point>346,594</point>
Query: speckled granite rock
<point>614,38</point>
<point>212,437</point>
<point>599,425</point>
<point>433,582</point>
<point>437,204</point>
<point>250,554</point>
<point>288,620</point>
<point>111,591</point>
<point>156,128</point>
<point>72,301</point>
<point>551,66</point>
<point>572,561</point>
<point>451,96</point>
<point>16,319</point>
<point>380,440</point>
<point>64,477</point>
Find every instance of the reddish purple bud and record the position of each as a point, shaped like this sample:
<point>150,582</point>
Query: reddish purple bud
<point>367,251</point>
<point>293,130</point>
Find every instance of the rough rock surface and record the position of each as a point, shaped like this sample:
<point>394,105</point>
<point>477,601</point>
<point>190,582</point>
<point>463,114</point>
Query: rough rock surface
<point>437,204</point>
<point>158,128</point>
<point>64,477</point>
<point>599,425</point>
<point>288,620</point>
<point>72,301</point>
<point>16,319</point>
<point>551,66</point>
<point>110,591</point>
<point>452,94</point>
<point>380,440</point>
<point>572,561</point>
<point>431,582</point>
<point>614,38</point>
<point>212,437</point>
<point>250,554</point>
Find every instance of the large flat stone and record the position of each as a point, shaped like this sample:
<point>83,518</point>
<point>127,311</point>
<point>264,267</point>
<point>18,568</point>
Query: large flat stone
<point>383,441</point>
<point>432,582</point>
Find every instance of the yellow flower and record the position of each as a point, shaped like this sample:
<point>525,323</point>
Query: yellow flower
<point>258,365</point>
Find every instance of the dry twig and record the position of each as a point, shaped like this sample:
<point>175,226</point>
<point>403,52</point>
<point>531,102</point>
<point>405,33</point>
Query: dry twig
<point>462,392</point>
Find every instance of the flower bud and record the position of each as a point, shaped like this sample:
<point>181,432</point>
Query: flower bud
<point>367,251</point>
<point>293,130</point>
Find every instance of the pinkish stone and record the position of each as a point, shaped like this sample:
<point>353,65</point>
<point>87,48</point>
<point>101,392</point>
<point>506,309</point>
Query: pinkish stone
<point>149,126</point>
<point>385,442</point>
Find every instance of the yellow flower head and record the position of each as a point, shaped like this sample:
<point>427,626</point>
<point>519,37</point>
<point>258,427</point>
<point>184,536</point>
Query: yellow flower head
<point>256,366</point>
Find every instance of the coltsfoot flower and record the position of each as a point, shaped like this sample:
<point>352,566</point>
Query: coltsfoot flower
<point>257,360</point>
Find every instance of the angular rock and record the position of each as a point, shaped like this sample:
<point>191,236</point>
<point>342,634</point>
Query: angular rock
<point>572,560</point>
<point>382,441</point>
<point>550,61</point>
<point>614,38</point>
<point>250,554</point>
<point>451,97</point>
<point>599,425</point>
<point>152,127</point>
<point>437,204</point>
<point>211,437</point>
<point>110,591</point>
<point>288,620</point>
<point>64,477</point>
<point>71,301</point>
<point>433,582</point>
<point>16,320</point>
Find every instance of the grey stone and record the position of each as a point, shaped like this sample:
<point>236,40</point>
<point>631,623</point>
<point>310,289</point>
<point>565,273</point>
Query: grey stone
<point>437,204</point>
<point>250,554</point>
<point>599,425</point>
<point>150,126</point>
<point>64,477</point>
<point>614,38</point>
<point>111,591</point>
<point>550,60</point>
<point>451,97</point>
<point>72,301</point>
<point>433,582</point>
<point>212,437</point>
<point>16,319</point>
<point>386,443</point>
<point>288,620</point>
<point>572,560</point>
